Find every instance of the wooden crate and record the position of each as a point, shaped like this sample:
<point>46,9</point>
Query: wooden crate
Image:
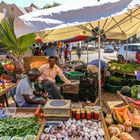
<point>70,89</point>
<point>30,59</point>
<point>104,125</point>
<point>20,112</point>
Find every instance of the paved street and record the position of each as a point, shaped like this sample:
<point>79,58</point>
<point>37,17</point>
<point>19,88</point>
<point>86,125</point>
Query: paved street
<point>94,55</point>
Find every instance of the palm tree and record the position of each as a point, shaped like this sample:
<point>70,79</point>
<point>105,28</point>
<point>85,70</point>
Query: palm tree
<point>16,47</point>
<point>53,5</point>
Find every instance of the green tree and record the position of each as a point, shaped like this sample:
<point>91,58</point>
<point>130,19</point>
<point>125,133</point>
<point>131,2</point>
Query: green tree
<point>16,47</point>
<point>51,5</point>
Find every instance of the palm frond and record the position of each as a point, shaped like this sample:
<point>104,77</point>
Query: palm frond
<point>18,46</point>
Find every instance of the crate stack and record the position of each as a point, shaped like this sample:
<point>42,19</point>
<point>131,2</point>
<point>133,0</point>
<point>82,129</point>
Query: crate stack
<point>88,87</point>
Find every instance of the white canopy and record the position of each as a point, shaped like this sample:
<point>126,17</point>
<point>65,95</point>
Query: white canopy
<point>72,19</point>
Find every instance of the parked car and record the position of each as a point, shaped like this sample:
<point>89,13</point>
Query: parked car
<point>109,49</point>
<point>131,52</point>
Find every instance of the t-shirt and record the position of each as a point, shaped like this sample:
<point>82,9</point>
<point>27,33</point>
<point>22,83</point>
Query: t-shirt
<point>96,63</point>
<point>51,73</point>
<point>78,49</point>
<point>50,51</point>
<point>23,87</point>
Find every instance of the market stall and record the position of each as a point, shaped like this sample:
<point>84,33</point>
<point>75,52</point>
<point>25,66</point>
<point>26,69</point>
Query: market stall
<point>61,119</point>
<point>122,74</point>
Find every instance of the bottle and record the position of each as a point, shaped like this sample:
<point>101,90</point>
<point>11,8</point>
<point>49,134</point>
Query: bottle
<point>88,115</point>
<point>73,113</point>
<point>82,114</point>
<point>78,115</point>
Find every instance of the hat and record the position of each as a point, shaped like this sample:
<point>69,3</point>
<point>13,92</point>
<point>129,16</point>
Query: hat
<point>92,68</point>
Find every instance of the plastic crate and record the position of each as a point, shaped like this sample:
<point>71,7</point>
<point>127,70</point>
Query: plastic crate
<point>74,75</point>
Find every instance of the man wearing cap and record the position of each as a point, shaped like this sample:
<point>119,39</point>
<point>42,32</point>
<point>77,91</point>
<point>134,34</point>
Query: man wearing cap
<point>26,93</point>
<point>93,67</point>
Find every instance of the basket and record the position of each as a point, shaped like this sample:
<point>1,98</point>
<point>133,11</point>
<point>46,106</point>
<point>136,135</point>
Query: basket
<point>31,59</point>
<point>113,88</point>
<point>37,64</point>
<point>7,78</point>
<point>70,89</point>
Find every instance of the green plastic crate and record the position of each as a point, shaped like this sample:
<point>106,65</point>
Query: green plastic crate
<point>74,75</point>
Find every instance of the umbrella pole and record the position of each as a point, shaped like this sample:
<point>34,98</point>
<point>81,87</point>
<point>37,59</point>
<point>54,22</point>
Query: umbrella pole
<point>99,73</point>
<point>87,53</point>
<point>100,100</point>
<point>126,49</point>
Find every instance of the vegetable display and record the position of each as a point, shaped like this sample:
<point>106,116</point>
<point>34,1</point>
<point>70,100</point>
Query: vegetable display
<point>113,80</point>
<point>134,91</point>
<point>72,129</point>
<point>19,127</point>
<point>126,68</point>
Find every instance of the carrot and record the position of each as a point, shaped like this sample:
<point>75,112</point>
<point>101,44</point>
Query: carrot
<point>38,110</point>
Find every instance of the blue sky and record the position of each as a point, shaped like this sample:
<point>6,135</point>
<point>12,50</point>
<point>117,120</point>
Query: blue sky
<point>39,3</point>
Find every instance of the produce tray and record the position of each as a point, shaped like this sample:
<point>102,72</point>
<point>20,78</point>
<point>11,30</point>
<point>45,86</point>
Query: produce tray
<point>28,127</point>
<point>27,112</point>
<point>104,126</point>
<point>20,112</point>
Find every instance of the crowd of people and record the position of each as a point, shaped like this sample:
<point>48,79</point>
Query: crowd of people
<point>61,50</point>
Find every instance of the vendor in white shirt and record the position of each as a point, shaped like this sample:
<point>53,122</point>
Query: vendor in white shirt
<point>26,94</point>
<point>48,73</point>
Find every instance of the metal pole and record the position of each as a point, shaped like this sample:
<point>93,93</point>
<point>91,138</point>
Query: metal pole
<point>99,71</point>
<point>87,53</point>
<point>126,49</point>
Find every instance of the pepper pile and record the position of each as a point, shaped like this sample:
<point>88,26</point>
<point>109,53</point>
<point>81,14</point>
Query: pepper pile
<point>18,127</point>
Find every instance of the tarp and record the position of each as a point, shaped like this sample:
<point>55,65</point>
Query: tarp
<point>70,20</point>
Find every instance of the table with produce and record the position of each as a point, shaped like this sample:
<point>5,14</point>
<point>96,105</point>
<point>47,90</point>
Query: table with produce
<point>18,124</point>
<point>4,89</point>
<point>86,122</point>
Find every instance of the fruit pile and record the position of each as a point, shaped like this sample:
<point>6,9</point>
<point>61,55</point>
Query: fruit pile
<point>8,66</point>
<point>126,120</point>
<point>124,113</point>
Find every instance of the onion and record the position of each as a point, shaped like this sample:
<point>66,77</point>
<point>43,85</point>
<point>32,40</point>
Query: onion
<point>101,132</point>
<point>43,136</point>
<point>53,137</point>
<point>85,138</point>
<point>92,138</point>
<point>59,136</point>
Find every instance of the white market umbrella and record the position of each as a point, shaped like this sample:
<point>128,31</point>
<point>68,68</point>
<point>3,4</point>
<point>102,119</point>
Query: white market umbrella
<point>72,19</point>
<point>119,19</point>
